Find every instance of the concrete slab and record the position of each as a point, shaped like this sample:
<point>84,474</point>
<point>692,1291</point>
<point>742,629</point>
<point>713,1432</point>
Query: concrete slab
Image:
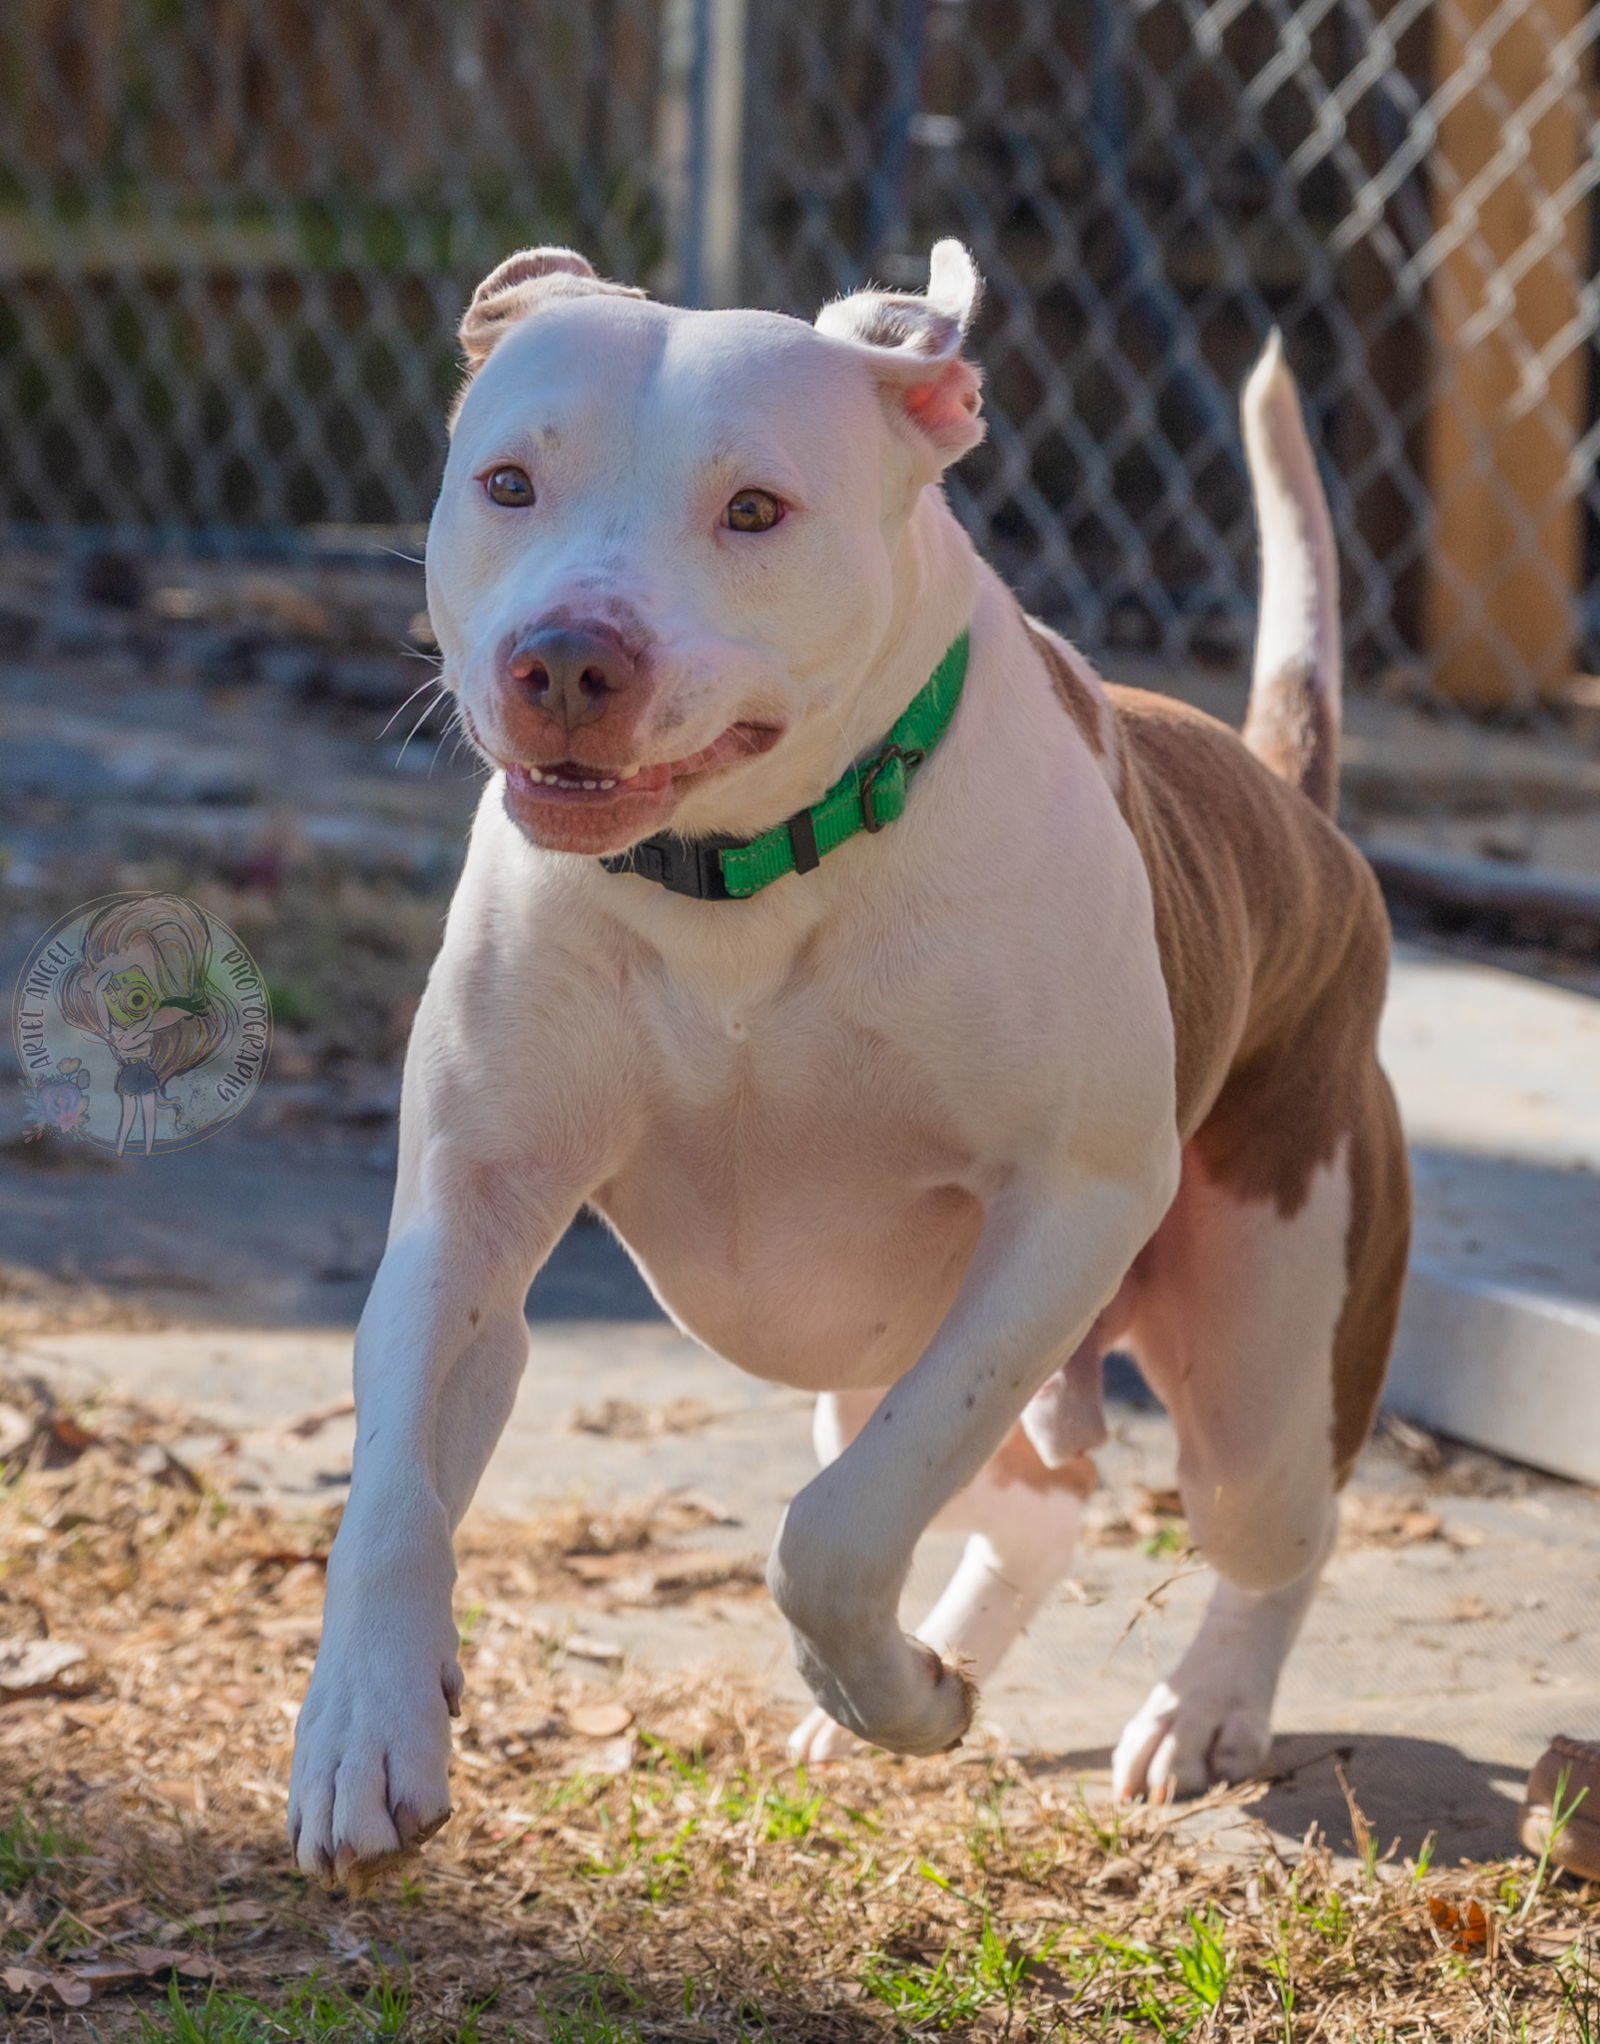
<point>1499,1085</point>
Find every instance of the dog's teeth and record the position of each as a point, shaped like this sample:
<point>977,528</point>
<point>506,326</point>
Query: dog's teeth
<point>591,784</point>
<point>533,773</point>
<point>627,773</point>
<point>608,784</point>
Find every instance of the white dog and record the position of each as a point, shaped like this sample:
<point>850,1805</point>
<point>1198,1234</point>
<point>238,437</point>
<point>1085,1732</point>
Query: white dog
<point>923,1014</point>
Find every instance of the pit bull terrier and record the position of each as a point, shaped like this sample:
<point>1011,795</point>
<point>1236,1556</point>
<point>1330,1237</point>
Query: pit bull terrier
<point>924,1014</point>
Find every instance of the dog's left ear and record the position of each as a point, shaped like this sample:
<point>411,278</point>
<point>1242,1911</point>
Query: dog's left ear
<point>913,345</point>
<point>522,283</point>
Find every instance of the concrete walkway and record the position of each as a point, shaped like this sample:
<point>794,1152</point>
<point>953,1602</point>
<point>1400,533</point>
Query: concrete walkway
<point>1499,1084</point>
<point>1455,1633</point>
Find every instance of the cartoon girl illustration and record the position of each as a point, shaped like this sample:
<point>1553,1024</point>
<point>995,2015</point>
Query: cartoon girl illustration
<point>143,987</point>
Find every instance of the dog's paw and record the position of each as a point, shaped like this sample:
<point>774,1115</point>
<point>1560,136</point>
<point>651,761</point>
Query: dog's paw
<point>371,1769</point>
<point>818,1739</point>
<point>918,1705</point>
<point>1184,1741</point>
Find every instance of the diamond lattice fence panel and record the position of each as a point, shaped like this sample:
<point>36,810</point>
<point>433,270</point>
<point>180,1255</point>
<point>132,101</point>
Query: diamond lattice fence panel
<point>235,238</point>
<point>1149,186</point>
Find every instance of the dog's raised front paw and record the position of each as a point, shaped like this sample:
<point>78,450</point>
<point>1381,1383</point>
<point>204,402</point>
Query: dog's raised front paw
<point>371,1768</point>
<point>918,1704</point>
<point>1180,1743</point>
<point>817,1739</point>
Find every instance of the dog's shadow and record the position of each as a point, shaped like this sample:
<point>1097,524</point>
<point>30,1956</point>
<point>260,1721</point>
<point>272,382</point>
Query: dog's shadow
<point>1405,1789</point>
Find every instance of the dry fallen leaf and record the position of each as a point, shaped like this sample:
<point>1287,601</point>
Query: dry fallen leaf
<point>586,1648</point>
<point>183,1795</point>
<point>1390,1522</point>
<point>668,1578</point>
<point>70,1992</point>
<point>105,1976</point>
<point>40,1667</point>
<point>74,1987</point>
<point>163,1959</point>
<point>223,1917</point>
<point>305,1425</point>
<point>621,1419</point>
<point>1465,1926</point>
<point>599,1720</point>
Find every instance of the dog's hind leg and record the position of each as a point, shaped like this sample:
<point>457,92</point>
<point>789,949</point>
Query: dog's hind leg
<point>1266,1334</point>
<point>1022,1516</point>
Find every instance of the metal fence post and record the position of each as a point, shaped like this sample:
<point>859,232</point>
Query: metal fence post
<point>713,210</point>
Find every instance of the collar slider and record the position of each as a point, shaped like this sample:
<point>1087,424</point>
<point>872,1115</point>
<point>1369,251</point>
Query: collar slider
<point>883,785</point>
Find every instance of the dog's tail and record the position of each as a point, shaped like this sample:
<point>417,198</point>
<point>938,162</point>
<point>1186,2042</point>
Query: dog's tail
<point>1293,720</point>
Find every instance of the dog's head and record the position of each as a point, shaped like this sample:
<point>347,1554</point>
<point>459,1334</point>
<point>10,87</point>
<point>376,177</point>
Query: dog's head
<point>668,544</point>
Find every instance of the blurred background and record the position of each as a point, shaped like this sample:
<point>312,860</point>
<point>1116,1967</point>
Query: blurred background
<point>235,241</point>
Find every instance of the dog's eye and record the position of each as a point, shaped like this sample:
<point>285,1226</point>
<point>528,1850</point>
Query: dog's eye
<point>752,511</point>
<point>512,487</point>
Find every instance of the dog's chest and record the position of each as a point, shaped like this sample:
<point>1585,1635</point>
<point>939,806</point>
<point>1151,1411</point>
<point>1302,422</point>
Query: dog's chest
<point>802,1195</point>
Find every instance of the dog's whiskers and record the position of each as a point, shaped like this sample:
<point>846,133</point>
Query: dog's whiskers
<point>427,711</point>
<point>432,682</point>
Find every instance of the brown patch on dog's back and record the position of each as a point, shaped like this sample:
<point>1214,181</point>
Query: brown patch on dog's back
<point>1075,695</point>
<point>1274,945</point>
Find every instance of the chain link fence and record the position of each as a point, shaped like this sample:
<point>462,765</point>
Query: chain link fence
<point>235,240</point>
<point>236,236</point>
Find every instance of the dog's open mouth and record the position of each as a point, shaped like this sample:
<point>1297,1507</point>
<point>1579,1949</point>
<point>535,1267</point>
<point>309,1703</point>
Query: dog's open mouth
<point>595,807</point>
<point>586,783</point>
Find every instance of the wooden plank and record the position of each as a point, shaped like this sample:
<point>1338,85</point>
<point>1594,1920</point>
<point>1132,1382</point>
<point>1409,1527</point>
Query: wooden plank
<point>1505,565</point>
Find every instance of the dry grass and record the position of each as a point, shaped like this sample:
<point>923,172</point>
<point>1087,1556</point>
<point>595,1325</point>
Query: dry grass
<point>630,1857</point>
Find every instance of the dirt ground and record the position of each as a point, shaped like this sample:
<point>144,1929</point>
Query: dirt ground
<point>630,1856</point>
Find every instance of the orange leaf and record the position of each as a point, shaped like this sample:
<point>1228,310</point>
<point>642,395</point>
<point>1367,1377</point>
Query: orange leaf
<point>1466,1927</point>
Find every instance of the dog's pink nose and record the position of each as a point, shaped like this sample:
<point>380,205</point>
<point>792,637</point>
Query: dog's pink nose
<point>571,672</point>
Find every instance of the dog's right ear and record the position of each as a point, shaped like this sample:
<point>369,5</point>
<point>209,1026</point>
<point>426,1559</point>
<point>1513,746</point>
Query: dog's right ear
<point>522,283</point>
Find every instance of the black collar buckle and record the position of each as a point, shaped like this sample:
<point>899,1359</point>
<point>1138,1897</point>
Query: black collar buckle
<point>682,865</point>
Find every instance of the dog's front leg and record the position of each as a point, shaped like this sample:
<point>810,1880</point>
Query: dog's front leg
<point>439,1352</point>
<point>1048,1259</point>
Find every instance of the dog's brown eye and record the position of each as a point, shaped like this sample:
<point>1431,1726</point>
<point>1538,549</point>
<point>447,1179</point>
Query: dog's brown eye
<point>752,511</point>
<point>512,487</point>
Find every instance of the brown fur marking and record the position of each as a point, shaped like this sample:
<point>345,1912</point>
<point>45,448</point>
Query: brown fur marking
<point>1073,693</point>
<point>1274,945</point>
<point>1377,1251</point>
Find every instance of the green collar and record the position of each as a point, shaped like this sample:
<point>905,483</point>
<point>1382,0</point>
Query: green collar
<point>868,795</point>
